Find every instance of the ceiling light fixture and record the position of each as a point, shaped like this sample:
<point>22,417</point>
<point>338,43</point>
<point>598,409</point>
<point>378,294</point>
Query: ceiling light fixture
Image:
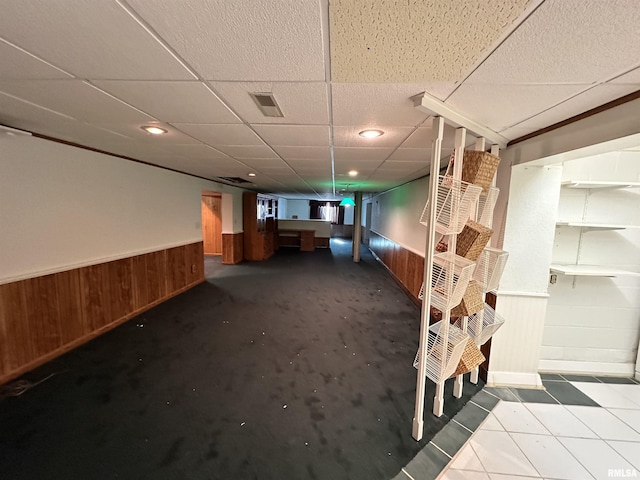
<point>251,174</point>
<point>353,173</point>
<point>371,133</point>
<point>154,130</point>
<point>347,202</point>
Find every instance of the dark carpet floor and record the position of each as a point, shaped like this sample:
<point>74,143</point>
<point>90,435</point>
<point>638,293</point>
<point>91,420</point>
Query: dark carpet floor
<point>299,367</point>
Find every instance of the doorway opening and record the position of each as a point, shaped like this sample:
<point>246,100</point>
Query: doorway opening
<point>212,223</point>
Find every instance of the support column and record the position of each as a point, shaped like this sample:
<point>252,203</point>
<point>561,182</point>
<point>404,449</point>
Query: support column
<point>357,226</point>
<point>437,129</point>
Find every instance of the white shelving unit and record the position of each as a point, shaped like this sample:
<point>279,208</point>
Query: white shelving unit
<point>582,270</point>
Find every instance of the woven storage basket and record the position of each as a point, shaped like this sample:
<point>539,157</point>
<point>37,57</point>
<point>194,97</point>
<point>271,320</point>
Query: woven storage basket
<point>479,168</point>
<point>471,303</point>
<point>472,240</point>
<point>471,358</point>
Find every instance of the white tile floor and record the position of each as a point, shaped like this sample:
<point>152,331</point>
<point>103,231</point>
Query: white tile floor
<point>556,442</point>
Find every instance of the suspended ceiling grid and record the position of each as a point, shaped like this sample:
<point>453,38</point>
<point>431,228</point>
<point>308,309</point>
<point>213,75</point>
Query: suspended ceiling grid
<point>94,71</point>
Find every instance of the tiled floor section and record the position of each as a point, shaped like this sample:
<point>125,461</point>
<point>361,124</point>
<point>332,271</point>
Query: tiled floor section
<point>581,428</point>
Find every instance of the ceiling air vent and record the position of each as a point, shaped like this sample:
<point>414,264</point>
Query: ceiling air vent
<point>234,180</point>
<point>267,104</point>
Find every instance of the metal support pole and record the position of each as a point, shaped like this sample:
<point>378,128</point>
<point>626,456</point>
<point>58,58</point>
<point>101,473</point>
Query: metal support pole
<point>357,226</point>
<point>437,129</point>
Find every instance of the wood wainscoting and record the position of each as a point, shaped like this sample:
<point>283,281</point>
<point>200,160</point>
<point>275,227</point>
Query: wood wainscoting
<point>232,248</point>
<point>405,266</point>
<point>44,317</point>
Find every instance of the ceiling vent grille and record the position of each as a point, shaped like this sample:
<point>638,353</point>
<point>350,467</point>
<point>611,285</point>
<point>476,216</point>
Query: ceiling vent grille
<point>234,180</point>
<point>267,104</point>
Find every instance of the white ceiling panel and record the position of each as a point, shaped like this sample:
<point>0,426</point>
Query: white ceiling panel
<point>18,64</point>
<point>90,39</point>
<point>502,106</point>
<point>134,131</point>
<point>595,96</point>
<point>407,167</point>
<point>189,102</point>
<point>212,35</point>
<point>376,104</point>
<point>632,77</point>
<point>75,99</point>
<point>196,151</point>
<point>235,134</point>
<point>304,153</point>
<point>248,151</point>
<point>410,155</point>
<point>301,103</point>
<point>577,42</point>
<point>349,137</point>
<point>295,135</point>
<point>361,154</point>
<point>260,163</point>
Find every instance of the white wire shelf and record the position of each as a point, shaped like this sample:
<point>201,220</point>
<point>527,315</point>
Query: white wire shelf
<point>450,278</point>
<point>455,199</point>
<point>489,268</point>
<point>444,350</point>
<point>591,271</point>
<point>486,204</point>
<point>483,325</point>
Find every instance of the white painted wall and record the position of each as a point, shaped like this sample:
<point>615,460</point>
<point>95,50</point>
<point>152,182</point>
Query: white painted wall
<point>282,207</point>
<point>396,215</point>
<point>593,323</point>
<point>63,207</point>
<point>299,208</point>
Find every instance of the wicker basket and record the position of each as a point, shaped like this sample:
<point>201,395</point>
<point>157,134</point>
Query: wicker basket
<point>472,301</point>
<point>471,358</point>
<point>479,168</point>
<point>472,240</point>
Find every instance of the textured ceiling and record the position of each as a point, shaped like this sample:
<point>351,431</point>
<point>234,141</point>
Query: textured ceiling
<point>414,40</point>
<point>93,72</point>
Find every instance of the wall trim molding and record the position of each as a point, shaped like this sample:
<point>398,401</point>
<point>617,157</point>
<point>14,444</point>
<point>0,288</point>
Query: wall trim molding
<point>508,293</point>
<point>587,368</point>
<point>514,379</point>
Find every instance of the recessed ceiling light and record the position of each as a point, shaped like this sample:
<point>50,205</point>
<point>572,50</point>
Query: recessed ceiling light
<point>371,133</point>
<point>251,174</point>
<point>353,173</point>
<point>153,130</point>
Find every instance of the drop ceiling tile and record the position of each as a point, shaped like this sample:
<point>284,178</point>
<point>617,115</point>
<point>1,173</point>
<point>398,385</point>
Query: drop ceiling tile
<point>412,41</point>
<point>242,40</point>
<point>197,151</point>
<point>313,169</point>
<point>410,155</point>
<point>73,98</point>
<point>18,64</point>
<point>134,131</point>
<point>301,103</point>
<point>376,104</point>
<point>90,39</point>
<point>259,163</point>
<point>502,106</point>
<point>236,134</point>
<point>560,43</point>
<point>348,136</point>
<point>294,135</point>
<point>304,153</point>
<point>190,102</point>
<point>248,151</point>
<point>592,98</point>
<point>403,166</point>
<point>632,77</point>
<point>361,154</point>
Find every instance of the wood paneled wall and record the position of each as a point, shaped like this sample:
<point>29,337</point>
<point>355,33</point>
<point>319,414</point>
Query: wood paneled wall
<point>212,224</point>
<point>232,248</point>
<point>405,266</point>
<point>43,317</point>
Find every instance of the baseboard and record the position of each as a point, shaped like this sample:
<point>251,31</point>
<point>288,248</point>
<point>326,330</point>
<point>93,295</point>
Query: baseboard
<point>514,379</point>
<point>587,368</point>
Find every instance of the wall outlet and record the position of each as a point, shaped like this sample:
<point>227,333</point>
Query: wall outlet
<point>553,279</point>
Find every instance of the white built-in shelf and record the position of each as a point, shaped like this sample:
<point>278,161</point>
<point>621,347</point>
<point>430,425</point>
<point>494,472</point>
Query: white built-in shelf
<point>591,270</point>
<point>598,184</point>
<point>595,226</point>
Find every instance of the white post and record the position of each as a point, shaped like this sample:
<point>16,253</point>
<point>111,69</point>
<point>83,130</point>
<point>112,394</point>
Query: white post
<point>357,226</point>
<point>437,130</point>
<point>460,141</point>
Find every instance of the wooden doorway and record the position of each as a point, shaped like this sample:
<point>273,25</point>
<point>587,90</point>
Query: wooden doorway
<point>212,224</point>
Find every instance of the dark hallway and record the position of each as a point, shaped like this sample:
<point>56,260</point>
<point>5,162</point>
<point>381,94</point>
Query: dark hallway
<point>297,367</point>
